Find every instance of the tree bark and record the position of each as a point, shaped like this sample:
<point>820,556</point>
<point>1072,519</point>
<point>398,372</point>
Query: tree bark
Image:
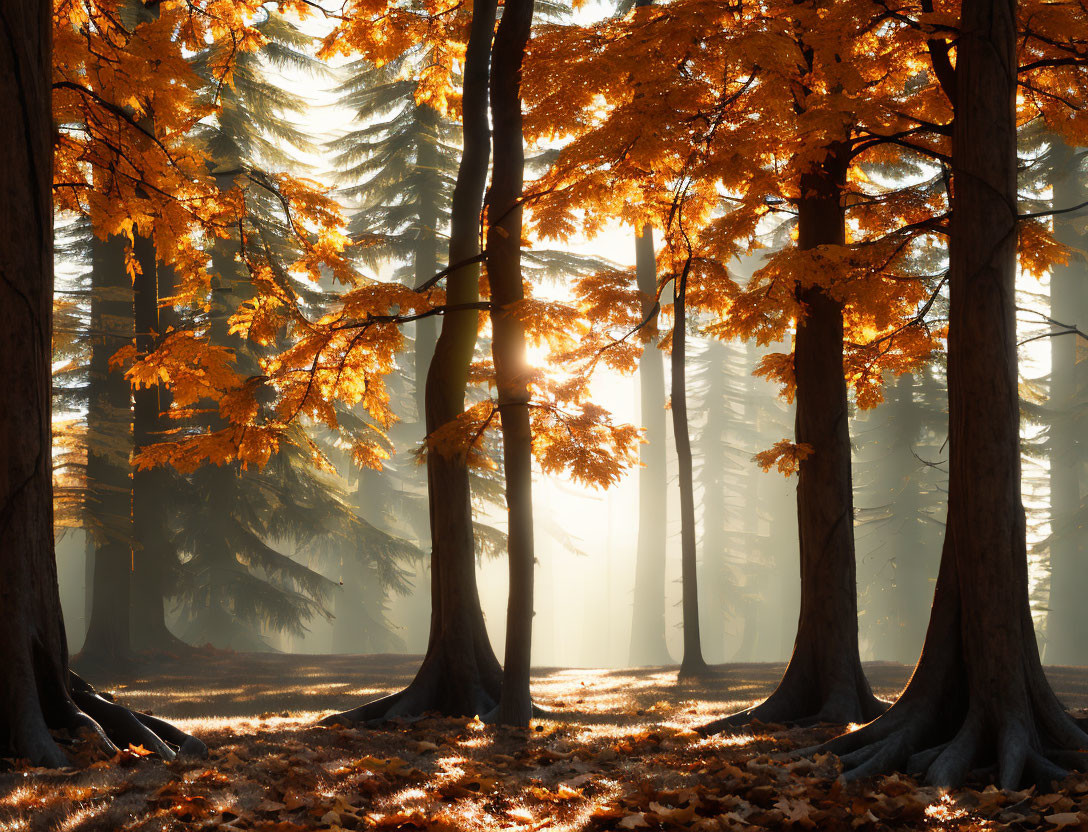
<point>824,680</point>
<point>1067,621</point>
<point>37,692</point>
<point>512,370</point>
<point>692,664</point>
<point>978,696</point>
<point>648,620</point>
<point>460,674</point>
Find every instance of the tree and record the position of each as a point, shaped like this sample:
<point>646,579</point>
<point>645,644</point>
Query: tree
<point>108,502</point>
<point>978,694</point>
<point>460,673</point>
<point>692,664</point>
<point>648,612</point>
<point>708,143</point>
<point>512,371</point>
<point>37,692</point>
<point>1068,543</point>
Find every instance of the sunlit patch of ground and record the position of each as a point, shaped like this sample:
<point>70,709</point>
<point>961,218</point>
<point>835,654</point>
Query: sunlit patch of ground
<point>620,753</point>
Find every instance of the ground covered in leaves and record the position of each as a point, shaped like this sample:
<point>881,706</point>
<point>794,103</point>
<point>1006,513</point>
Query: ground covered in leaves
<point>620,754</point>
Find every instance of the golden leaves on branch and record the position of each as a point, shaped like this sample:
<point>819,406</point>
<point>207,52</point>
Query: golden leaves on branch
<point>784,455</point>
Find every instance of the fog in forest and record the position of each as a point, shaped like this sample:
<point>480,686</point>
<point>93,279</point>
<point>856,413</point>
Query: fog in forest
<point>343,569</point>
<point>587,539</point>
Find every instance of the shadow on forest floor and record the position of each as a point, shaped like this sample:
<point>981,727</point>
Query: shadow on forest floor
<point>620,754</point>
<point>224,685</point>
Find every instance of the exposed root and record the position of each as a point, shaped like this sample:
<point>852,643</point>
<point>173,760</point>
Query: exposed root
<point>784,707</point>
<point>431,691</point>
<point>123,727</point>
<point>921,740</point>
<point>695,671</point>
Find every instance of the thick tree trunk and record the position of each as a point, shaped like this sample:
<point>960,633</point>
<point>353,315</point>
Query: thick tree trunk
<point>824,681</point>
<point>978,696</point>
<point>648,621</point>
<point>460,674</point>
<point>504,212</point>
<point>36,691</point>
<point>33,651</point>
<point>692,664</point>
<point>109,441</point>
<point>1067,621</point>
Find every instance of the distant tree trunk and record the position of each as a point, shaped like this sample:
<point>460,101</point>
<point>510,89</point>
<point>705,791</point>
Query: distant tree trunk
<point>109,442</point>
<point>692,664</point>
<point>915,537</point>
<point>504,213</point>
<point>648,620</point>
<point>824,680</point>
<point>979,696</point>
<point>152,551</point>
<point>719,511</point>
<point>1067,621</point>
<point>460,674</point>
<point>37,692</point>
<point>151,547</point>
<point>425,254</point>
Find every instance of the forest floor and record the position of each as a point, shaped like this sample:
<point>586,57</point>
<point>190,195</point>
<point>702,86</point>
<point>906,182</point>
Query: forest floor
<point>620,754</point>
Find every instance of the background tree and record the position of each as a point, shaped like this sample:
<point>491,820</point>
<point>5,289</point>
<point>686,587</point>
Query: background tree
<point>979,695</point>
<point>1068,542</point>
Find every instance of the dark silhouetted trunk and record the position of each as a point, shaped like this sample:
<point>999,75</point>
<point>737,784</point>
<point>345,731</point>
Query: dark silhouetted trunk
<point>37,692</point>
<point>109,444</point>
<point>460,674</point>
<point>648,620</point>
<point>1067,622</point>
<point>504,213</point>
<point>824,681</point>
<point>33,651</point>
<point>692,663</point>
<point>978,696</point>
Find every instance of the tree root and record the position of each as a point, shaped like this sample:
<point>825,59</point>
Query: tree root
<point>695,671</point>
<point>783,706</point>
<point>122,727</point>
<point>425,695</point>
<point>431,691</point>
<point>911,737</point>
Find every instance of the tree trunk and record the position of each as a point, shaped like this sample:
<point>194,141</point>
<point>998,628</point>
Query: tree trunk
<point>692,664</point>
<point>978,696</point>
<point>32,644</point>
<point>648,621</point>
<point>425,255</point>
<point>504,211</point>
<point>37,693</point>
<point>109,443</point>
<point>824,681</point>
<point>151,547</point>
<point>460,674</point>
<point>1068,619</point>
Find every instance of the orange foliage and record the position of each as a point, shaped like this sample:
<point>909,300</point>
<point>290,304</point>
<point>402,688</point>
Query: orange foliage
<point>695,116</point>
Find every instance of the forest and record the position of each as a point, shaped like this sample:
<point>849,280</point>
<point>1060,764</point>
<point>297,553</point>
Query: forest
<point>543,415</point>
